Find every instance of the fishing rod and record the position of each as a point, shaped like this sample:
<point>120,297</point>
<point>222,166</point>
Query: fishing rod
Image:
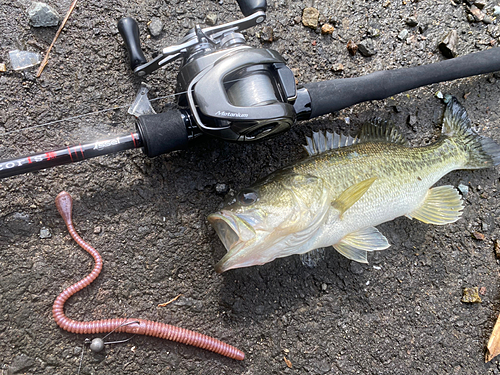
<point>235,92</point>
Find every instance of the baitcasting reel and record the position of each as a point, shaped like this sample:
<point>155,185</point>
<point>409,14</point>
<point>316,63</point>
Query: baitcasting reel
<point>226,88</point>
<point>235,92</point>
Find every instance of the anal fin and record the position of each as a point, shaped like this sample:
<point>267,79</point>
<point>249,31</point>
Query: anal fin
<point>351,252</point>
<point>355,245</point>
<point>442,205</point>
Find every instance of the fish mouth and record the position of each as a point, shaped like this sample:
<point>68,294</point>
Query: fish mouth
<point>234,232</point>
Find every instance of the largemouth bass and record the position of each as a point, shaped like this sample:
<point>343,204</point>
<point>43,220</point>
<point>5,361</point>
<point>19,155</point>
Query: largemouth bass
<point>346,187</point>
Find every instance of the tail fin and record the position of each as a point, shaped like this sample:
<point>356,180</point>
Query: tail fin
<point>482,152</point>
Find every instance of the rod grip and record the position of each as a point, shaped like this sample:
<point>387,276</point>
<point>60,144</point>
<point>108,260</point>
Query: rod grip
<point>129,30</point>
<point>331,96</point>
<point>162,132</point>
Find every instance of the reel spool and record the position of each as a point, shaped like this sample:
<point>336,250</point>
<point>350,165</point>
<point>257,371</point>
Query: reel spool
<point>245,95</point>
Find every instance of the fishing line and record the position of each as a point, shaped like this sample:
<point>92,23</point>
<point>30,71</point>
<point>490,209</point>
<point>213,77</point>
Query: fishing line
<point>85,115</point>
<point>71,118</point>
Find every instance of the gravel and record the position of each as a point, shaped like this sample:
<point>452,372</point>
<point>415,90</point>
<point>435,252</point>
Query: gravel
<point>42,15</point>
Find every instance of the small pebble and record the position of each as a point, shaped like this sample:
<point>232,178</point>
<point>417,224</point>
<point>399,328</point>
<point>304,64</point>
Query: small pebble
<point>42,15</point>
<point>478,236</point>
<point>327,29</point>
<point>464,189</point>
<point>471,295</point>
<point>338,67</point>
<point>482,290</point>
<point>221,188</point>
<point>439,95</point>
<point>211,19</point>
<point>45,233</point>
<point>3,67</point>
<point>477,13</point>
<point>155,26</point>
<point>496,10</point>
<point>411,21</point>
<point>367,47</point>
<point>403,34</point>
<point>267,34</point>
<point>310,17</point>
<point>487,20</point>
<point>97,230</point>
<point>352,47</point>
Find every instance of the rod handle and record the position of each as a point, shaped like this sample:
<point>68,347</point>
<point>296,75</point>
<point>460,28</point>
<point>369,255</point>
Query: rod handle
<point>331,96</point>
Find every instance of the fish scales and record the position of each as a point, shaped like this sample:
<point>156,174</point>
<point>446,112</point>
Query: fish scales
<point>338,195</point>
<point>404,178</point>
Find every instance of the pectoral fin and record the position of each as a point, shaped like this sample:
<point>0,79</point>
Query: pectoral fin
<point>442,205</point>
<point>355,245</point>
<point>352,194</point>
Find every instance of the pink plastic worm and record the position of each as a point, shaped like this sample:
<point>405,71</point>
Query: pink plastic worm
<point>64,205</point>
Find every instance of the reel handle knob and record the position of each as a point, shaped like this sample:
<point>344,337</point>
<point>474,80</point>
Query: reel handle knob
<point>249,7</point>
<point>129,30</point>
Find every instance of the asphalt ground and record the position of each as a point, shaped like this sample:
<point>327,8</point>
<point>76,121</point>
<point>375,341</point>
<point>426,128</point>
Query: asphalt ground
<point>401,313</point>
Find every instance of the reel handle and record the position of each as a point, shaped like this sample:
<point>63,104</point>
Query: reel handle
<point>249,7</point>
<point>129,30</point>
<point>331,96</point>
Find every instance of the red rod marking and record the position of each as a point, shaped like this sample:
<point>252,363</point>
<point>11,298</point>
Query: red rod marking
<point>50,155</point>
<point>64,205</point>
<point>71,156</point>
<point>75,150</point>
<point>133,139</point>
<point>29,160</point>
<point>81,150</point>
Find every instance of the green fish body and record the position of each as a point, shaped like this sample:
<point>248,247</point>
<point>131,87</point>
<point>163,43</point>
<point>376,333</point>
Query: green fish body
<point>345,188</point>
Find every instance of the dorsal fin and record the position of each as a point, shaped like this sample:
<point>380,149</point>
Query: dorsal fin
<point>379,130</point>
<point>325,141</point>
<point>375,131</point>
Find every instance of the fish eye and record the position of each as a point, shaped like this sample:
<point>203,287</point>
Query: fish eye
<point>247,197</point>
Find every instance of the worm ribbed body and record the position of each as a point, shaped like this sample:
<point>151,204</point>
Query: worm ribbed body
<point>128,325</point>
